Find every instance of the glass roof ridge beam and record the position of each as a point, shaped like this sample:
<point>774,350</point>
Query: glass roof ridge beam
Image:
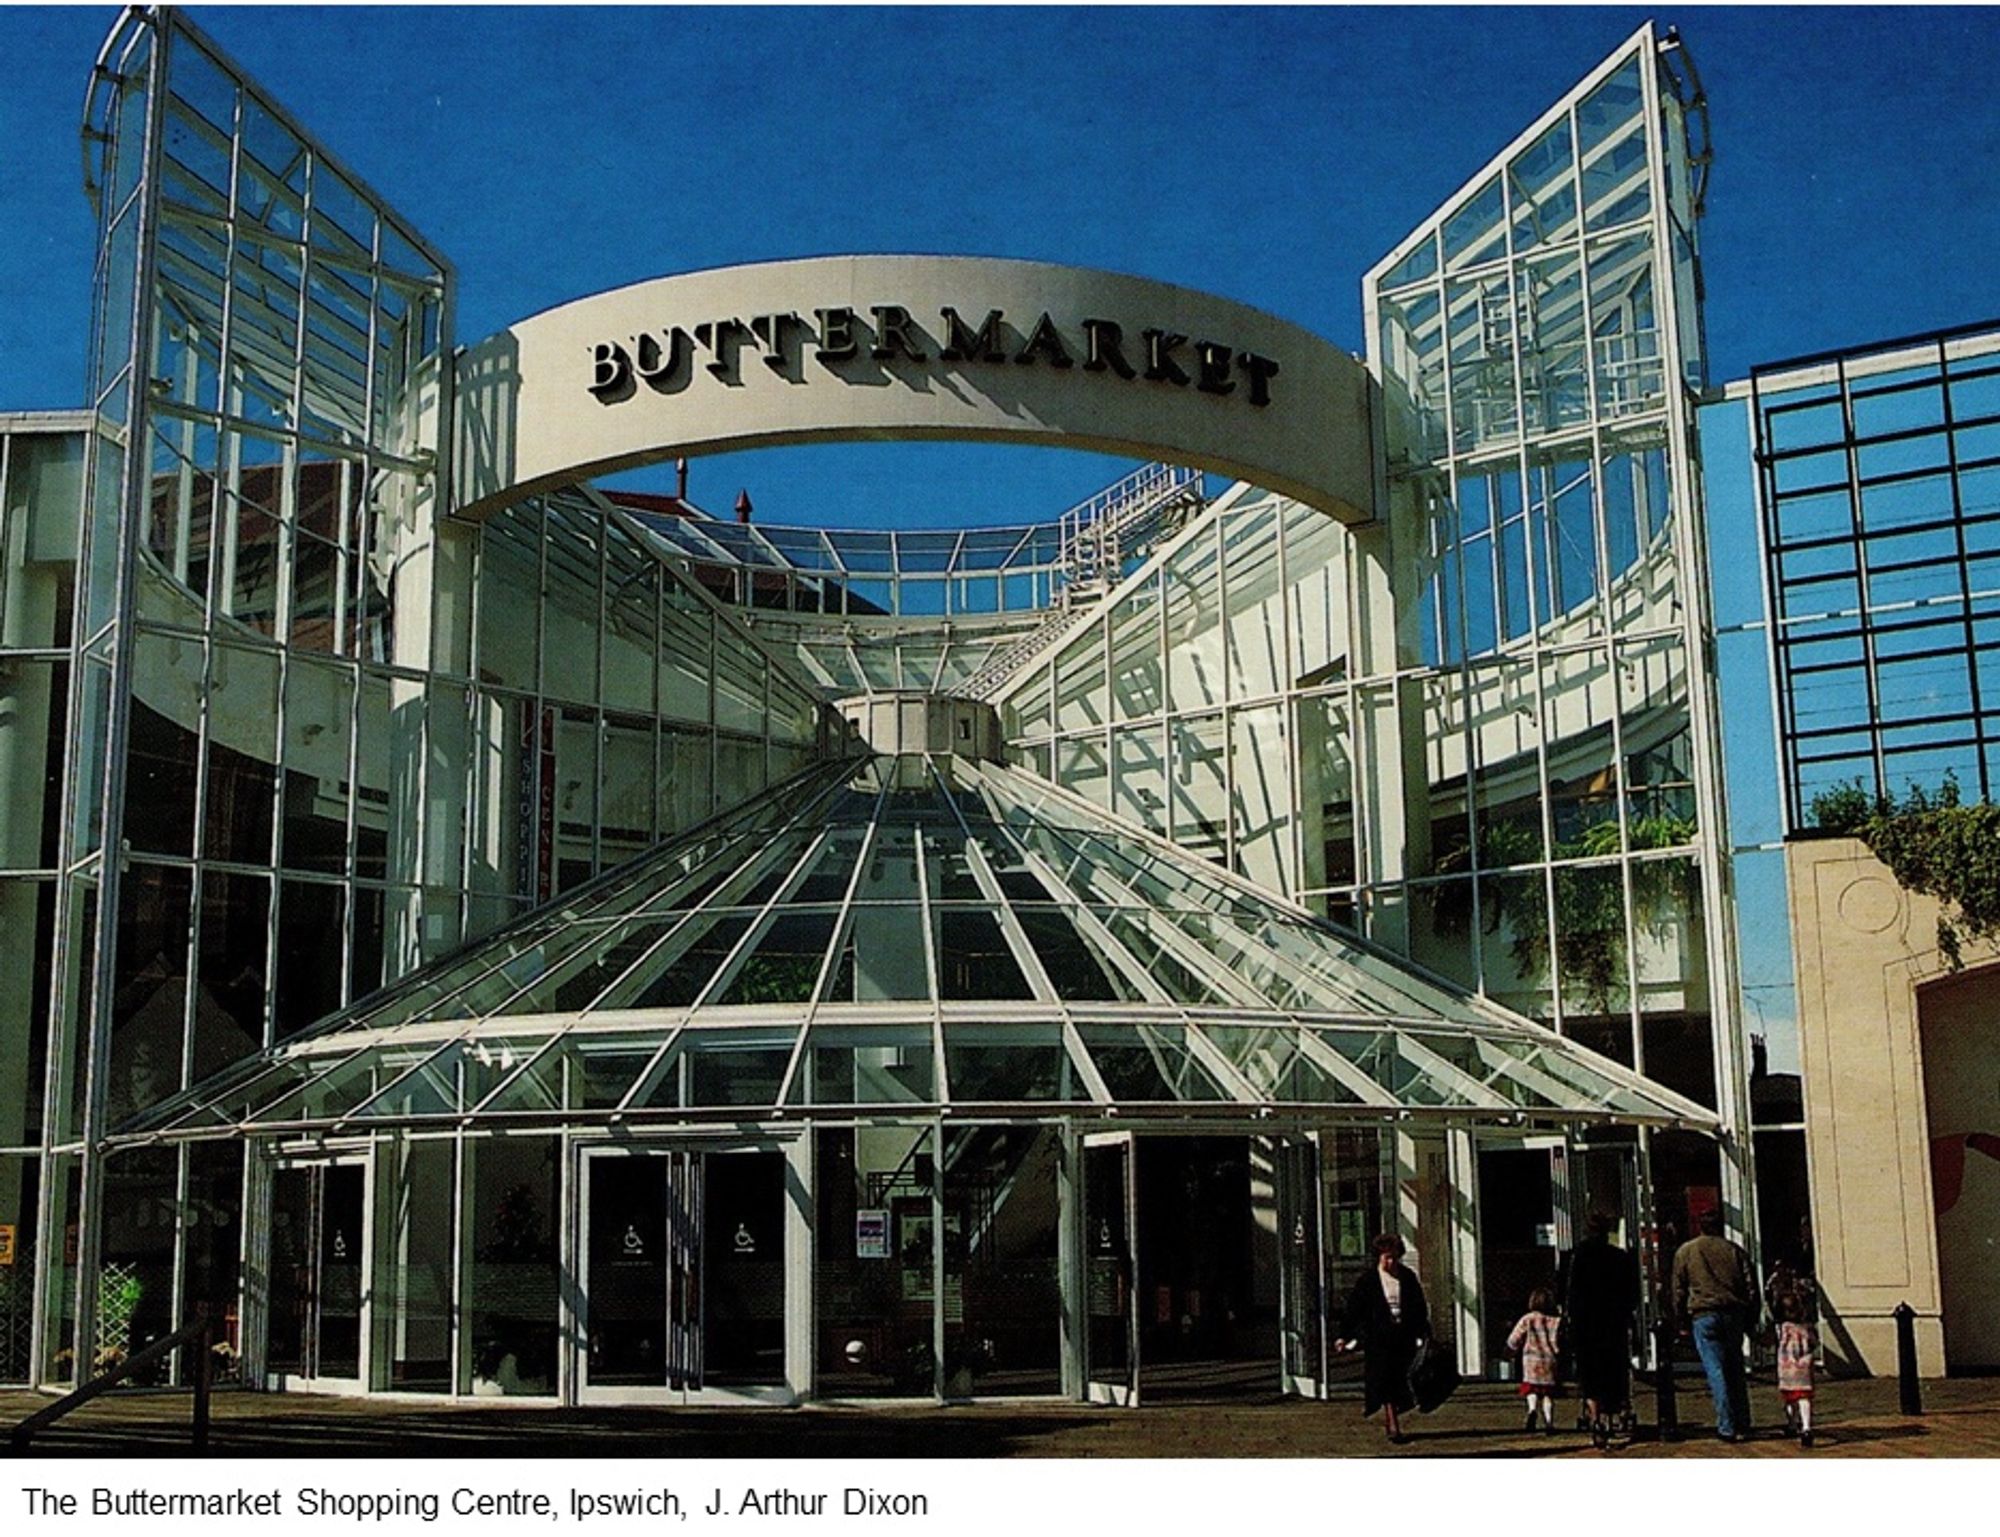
<point>870,836</point>
<point>577,906</point>
<point>690,923</point>
<point>527,1065</point>
<point>759,925</point>
<point>1025,955</point>
<point>500,1009</point>
<point>928,924</point>
<point>1223,978</point>
<point>1087,922</point>
<point>1530,1077</point>
<point>842,923</point>
<point>1086,1067</point>
<point>360,1111</point>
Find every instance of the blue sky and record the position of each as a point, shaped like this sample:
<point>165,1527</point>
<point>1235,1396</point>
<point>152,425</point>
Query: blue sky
<point>1268,155</point>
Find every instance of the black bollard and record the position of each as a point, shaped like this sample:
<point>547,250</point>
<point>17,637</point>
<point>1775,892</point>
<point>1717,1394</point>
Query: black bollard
<point>1906,1358</point>
<point>1666,1411</point>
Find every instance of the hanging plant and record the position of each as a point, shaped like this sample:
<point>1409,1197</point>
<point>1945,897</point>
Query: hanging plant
<point>1934,845</point>
<point>1589,901</point>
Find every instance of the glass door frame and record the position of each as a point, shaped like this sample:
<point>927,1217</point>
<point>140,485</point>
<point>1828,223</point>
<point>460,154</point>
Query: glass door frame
<point>797,1261</point>
<point>1109,1390</point>
<point>296,1382</point>
<point>1301,1241</point>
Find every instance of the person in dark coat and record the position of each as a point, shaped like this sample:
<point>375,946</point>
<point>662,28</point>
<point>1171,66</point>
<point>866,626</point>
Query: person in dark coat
<point>1601,1294</point>
<point>1388,1317</point>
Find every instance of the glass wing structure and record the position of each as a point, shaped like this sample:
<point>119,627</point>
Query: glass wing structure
<point>915,935</point>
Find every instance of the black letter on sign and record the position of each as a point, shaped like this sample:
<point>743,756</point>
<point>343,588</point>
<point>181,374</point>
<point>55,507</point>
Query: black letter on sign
<point>892,334</point>
<point>610,371</point>
<point>1046,340</point>
<point>722,337</point>
<point>771,332</point>
<point>1103,348</point>
<point>962,343</point>
<point>1214,368</point>
<point>656,364</point>
<point>836,335</point>
<point>1261,371</point>
<point>1158,364</point>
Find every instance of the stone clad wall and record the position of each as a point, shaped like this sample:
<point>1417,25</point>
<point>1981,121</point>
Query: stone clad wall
<point>1864,948</point>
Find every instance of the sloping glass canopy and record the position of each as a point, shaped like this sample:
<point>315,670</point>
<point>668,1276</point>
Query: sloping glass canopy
<point>917,935</point>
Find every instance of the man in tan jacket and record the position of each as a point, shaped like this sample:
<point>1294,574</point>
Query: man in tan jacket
<point>1715,1297</point>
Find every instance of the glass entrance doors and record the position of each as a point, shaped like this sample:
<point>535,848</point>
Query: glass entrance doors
<point>1184,1288</point>
<point>318,1245</point>
<point>684,1273</point>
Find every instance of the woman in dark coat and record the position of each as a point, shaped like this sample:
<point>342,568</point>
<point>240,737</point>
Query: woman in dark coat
<point>1601,1295</point>
<point>1387,1315</point>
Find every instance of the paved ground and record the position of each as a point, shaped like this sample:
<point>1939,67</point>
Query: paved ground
<point>1856,1419</point>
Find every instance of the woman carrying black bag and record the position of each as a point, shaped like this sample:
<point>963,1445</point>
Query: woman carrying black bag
<point>1388,1317</point>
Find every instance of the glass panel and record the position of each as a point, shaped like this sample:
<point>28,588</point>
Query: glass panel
<point>1541,183</point>
<point>974,958</point>
<point>874,1262</point>
<point>514,1280</point>
<point>1003,1295</point>
<point>743,1269</point>
<point>629,1272</point>
<point>1003,1065</point>
<point>418,1201</point>
<point>1616,186</point>
<point>1145,1061</point>
<point>882,1065</point>
<point>1477,231</point>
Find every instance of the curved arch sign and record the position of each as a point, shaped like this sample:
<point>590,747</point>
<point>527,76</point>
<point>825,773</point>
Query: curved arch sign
<point>911,347</point>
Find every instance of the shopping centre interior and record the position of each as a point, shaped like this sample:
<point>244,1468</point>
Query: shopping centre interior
<point>483,930</point>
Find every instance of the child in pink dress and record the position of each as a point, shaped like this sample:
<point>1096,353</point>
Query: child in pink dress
<point>1536,1338</point>
<point>1797,1345</point>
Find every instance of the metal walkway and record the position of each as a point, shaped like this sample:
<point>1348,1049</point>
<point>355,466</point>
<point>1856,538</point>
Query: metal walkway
<point>1123,521</point>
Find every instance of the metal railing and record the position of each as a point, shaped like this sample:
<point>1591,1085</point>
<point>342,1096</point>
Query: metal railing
<point>198,1332</point>
<point>1127,517</point>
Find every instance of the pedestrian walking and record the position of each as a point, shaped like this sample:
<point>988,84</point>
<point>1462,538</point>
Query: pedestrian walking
<point>1798,1343</point>
<point>1715,1296</point>
<point>1388,1318</point>
<point>1600,1300</point>
<point>1535,1338</point>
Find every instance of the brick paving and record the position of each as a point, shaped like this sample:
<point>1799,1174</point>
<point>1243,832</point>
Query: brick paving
<point>1854,1419</point>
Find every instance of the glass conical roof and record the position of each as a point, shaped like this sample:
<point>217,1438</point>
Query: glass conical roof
<point>922,935</point>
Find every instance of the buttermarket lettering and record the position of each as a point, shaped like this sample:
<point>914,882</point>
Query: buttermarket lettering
<point>838,338</point>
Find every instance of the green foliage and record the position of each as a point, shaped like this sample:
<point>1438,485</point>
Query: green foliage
<point>1589,901</point>
<point>1843,809</point>
<point>1934,845</point>
<point>774,978</point>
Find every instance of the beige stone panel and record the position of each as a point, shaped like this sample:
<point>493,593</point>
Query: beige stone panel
<point>1862,948</point>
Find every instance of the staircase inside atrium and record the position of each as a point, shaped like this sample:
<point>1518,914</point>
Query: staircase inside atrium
<point>1125,520</point>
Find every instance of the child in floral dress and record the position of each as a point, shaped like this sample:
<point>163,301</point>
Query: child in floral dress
<point>1797,1344</point>
<point>1535,1336</point>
